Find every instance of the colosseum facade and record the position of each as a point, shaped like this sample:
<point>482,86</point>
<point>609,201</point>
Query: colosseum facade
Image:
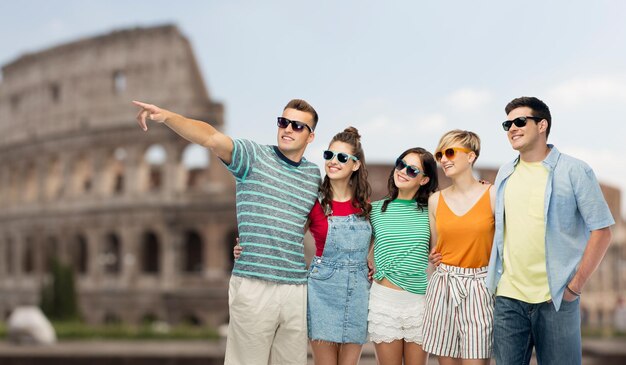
<point>146,220</point>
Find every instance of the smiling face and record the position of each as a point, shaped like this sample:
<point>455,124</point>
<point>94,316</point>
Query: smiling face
<point>405,184</point>
<point>291,143</point>
<point>530,137</point>
<point>336,170</point>
<point>459,163</point>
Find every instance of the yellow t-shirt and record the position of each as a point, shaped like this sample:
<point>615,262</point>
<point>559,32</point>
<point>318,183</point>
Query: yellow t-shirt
<point>525,277</point>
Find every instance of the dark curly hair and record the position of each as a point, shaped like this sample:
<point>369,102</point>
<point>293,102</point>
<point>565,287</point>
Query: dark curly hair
<point>424,191</point>
<point>361,189</point>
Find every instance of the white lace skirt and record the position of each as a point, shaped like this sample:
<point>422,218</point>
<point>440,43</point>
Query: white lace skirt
<point>395,315</point>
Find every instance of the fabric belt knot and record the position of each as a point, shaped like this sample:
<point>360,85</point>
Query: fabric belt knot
<point>456,290</point>
<point>455,281</point>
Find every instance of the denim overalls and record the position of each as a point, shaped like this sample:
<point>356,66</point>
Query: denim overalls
<point>338,289</point>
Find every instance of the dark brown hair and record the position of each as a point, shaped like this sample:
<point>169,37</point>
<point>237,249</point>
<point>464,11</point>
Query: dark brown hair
<point>540,109</point>
<point>303,106</point>
<point>424,191</point>
<point>361,189</point>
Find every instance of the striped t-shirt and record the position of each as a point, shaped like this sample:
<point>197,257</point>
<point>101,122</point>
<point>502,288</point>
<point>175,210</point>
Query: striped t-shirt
<point>401,244</point>
<point>274,198</point>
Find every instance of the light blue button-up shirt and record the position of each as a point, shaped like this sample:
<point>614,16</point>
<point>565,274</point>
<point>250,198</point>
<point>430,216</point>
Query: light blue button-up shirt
<point>574,206</point>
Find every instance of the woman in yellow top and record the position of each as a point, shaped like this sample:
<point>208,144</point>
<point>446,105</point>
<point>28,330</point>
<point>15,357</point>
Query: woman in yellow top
<point>458,323</point>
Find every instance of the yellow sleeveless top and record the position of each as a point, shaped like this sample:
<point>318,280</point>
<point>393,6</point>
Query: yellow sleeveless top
<point>465,241</point>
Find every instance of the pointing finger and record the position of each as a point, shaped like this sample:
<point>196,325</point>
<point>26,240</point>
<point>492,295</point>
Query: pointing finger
<point>141,119</point>
<point>140,104</point>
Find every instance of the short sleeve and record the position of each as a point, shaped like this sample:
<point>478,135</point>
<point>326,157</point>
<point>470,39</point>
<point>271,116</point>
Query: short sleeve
<point>243,158</point>
<point>590,200</point>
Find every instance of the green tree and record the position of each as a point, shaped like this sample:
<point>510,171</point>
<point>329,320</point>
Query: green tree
<point>58,296</point>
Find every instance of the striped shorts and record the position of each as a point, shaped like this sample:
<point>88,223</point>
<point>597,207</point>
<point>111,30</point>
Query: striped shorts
<point>459,313</point>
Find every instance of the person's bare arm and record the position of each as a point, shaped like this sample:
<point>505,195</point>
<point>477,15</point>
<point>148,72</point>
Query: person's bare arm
<point>370,261</point>
<point>192,130</point>
<point>434,257</point>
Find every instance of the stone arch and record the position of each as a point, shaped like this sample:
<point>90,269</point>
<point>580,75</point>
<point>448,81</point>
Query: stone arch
<point>50,253</point>
<point>195,160</point>
<point>30,183</point>
<point>55,92</point>
<point>8,256</point>
<point>16,102</point>
<point>79,254</point>
<point>112,318</point>
<point>4,188</point>
<point>119,82</point>
<point>14,185</point>
<point>115,172</point>
<point>28,258</point>
<point>150,253</point>
<point>193,252</point>
<point>155,158</point>
<point>82,175</point>
<point>53,182</point>
<point>112,258</point>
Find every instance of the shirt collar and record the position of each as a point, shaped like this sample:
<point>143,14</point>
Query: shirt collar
<point>551,159</point>
<point>285,158</point>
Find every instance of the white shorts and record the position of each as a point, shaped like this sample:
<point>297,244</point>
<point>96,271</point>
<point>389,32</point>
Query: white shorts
<point>267,323</point>
<point>459,313</point>
<point>395,315</point>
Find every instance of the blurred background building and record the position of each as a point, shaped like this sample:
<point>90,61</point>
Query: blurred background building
<point>147,229</point>
<point>146,220</point>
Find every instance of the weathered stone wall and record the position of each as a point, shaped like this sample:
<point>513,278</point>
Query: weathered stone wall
<point>148,240</point>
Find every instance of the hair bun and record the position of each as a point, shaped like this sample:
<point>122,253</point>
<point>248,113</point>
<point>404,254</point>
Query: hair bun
<point>354,131</point>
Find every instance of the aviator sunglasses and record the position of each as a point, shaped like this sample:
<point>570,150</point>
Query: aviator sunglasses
<point>295,125</point>
<point>411,171</point>
<point>450,152</point>
<point>519,122</point>
<point>341,156</point>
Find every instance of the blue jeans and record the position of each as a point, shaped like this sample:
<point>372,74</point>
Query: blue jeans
<point>520,326</point>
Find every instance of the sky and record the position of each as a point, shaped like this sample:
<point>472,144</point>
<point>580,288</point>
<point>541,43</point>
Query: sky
<point>402,72</point>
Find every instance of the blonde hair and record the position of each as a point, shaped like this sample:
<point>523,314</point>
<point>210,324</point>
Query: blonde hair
<point>466,139</point>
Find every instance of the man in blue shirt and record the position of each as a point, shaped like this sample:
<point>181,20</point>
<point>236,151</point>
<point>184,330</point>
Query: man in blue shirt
<point>552,231</point>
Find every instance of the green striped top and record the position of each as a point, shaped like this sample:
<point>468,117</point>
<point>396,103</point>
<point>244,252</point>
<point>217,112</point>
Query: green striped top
<point>401,244</point>
<point>274,198</point>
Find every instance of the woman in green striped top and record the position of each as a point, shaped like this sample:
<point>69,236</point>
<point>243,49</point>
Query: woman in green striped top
<point>401,245</point>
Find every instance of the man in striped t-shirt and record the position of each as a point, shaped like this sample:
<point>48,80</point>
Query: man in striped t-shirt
<point>276,189</point>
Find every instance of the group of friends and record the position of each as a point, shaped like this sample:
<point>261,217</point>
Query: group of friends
<point>510,258</point>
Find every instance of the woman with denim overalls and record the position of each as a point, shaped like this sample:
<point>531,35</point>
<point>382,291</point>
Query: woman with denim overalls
<point>338,285</point>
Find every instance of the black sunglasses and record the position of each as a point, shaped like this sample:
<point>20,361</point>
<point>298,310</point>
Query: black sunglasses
<point>519,122</point>
<point>295,125</point>
<point>411,171</point>
<point>341,156</point>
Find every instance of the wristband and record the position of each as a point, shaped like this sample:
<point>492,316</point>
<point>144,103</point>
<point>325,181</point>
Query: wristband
<point>572,291</point>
